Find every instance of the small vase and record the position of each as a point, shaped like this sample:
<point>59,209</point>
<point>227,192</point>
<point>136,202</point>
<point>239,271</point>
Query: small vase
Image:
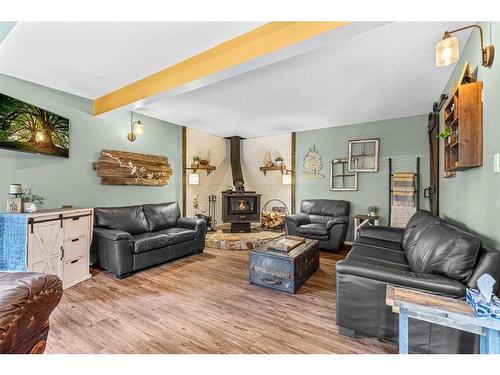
<point>29,207</point>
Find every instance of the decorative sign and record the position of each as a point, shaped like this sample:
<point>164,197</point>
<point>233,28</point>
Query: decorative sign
<point>130,168</point>
<point>313,163</point>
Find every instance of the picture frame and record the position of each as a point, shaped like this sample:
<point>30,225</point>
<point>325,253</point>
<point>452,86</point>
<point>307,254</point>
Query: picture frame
<point>340,178</point>
<point>363,155</point>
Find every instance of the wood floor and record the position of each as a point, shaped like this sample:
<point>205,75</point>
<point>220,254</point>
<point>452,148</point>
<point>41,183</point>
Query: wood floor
<point>202,304</point>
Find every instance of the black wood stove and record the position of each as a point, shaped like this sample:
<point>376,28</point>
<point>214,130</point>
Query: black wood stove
<point>239,207</point>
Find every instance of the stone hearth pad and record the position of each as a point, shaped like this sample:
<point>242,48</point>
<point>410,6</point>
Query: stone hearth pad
<point>240,241</point>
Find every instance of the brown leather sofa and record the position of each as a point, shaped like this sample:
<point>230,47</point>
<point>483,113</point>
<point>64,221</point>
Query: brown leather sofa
<point>26,301</point>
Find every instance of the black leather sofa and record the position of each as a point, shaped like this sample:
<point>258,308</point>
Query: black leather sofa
<point>430,255</point>
<point>325,220</point>
<point>128,239</point>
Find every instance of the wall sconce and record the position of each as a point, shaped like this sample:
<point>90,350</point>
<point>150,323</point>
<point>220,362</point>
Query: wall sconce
<point>286,179</point>
<point>193,179</point>
<point>447,50</point>
<point>136,128</point>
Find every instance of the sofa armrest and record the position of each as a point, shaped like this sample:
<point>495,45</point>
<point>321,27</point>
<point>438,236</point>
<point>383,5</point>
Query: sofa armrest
<point>26,301</point>
<point>299,219</point>
<point>199,225</point>
<point>431,283</point>
<point>337,220</point>
<point>382,233</point>
<point>112,234</point>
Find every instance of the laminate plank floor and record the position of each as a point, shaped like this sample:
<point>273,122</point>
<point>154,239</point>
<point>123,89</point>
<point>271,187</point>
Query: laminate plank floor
<point>202,304</point>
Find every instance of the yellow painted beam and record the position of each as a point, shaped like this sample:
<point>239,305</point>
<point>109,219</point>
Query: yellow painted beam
<point>255,43</point>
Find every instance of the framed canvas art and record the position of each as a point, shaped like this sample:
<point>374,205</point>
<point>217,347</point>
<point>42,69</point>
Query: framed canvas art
<point>25,127</point>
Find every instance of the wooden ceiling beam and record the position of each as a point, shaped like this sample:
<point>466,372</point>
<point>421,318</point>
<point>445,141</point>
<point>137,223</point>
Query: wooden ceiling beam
<point>256,43</point>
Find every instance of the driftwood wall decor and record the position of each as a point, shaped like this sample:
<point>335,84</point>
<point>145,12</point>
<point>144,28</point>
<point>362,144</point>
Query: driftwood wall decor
<point>130,168</point>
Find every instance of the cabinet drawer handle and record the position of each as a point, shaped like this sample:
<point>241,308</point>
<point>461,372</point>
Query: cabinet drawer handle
<point>270,282</point>
<point>75,218</point>
<point>74,261</point>
<point>74,239</point>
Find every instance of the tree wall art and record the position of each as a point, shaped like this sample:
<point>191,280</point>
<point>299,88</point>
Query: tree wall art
<point>25,127</point>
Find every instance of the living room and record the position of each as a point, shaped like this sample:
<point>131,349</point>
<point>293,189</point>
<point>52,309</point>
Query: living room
<point>342,176</point>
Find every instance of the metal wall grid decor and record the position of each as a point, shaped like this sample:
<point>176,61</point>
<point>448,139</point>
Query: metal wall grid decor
<point>340,178</point>
<point>363,155</point>
<point>312,163</point>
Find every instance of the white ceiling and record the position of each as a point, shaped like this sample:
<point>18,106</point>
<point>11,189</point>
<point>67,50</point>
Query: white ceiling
<point>90,59</point>
<point>385,72</point>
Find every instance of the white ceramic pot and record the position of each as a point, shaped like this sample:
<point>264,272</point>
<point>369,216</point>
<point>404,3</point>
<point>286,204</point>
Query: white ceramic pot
<point>29,207</point>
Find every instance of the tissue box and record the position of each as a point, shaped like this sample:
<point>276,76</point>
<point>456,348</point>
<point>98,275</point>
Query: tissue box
<point>482,308</point>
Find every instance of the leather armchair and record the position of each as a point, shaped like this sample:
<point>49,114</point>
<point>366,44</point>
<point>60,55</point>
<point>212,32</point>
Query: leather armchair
<point>323,220</point>
<point>26,301</point>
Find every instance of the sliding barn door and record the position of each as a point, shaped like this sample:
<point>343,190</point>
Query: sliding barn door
<point>432,192</point>
<point>45,244</point>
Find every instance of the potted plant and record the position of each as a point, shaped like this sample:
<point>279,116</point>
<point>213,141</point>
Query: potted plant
<point>196,161</point>
<point>279,161</point>
<point>30,201</point>
<point>445,134</point>
<point>372,211</point>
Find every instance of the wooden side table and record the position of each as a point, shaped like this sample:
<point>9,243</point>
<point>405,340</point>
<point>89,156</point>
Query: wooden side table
<point>360,220</point>
<point>447,312</point>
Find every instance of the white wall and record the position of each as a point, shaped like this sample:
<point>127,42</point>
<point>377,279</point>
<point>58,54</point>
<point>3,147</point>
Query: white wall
<point>216,149</point>
<point>252,158</point>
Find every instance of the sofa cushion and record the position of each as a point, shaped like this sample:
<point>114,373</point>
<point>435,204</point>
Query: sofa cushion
<point>313,229</point>
<point>376,242</point>
<point>179,235</point>
<point>436,284</point>
<point>162,215</point>
<point>377,256</point>
<point>434,246</point>
<point>149,241</point>
<point>129,219</point>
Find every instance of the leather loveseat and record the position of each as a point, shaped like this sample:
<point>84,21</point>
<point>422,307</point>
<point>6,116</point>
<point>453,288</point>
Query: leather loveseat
<point>26,301</point>
<point>429,255</point>
<point>325,220</point>
<point>128,239</point>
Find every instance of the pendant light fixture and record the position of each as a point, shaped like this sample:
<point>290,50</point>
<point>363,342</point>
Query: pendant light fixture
<point>136,128</point>
<point>448,52</point>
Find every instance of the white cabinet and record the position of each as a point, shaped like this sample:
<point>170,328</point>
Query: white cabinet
<point>59,243</point>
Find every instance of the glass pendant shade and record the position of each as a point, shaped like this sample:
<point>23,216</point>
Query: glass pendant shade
<point>138,128</point>
<point>286,179</point>
<point>447,51</point>
<point>193,179</point>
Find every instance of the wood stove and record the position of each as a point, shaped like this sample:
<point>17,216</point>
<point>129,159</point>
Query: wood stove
<point>239,207</point>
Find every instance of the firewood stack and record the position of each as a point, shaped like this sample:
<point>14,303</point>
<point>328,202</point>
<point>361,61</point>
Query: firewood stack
<point>272,219</point>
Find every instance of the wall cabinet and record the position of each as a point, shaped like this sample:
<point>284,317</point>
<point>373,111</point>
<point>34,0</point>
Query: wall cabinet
<point>58,242</point>
<point>463,116</point>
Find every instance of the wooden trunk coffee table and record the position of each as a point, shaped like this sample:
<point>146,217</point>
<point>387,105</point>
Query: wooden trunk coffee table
<point>282,270</point>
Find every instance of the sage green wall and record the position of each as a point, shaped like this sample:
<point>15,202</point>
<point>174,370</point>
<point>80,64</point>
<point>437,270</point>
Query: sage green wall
<point>472,198</point>
<point>402,139</point>
<point>73,181</point>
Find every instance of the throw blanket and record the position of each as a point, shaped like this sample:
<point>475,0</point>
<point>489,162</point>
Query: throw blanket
<point>403,204</point>
<point>13,232</point>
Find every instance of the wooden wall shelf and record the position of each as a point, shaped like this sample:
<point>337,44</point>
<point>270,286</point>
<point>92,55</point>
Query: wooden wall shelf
<point>281,168</point>
<point>463,115</point>
<point>208,168</point>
